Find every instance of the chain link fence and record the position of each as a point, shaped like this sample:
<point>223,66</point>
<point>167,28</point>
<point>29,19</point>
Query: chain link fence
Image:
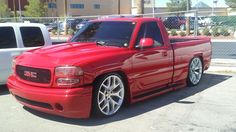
<point>177,24</point>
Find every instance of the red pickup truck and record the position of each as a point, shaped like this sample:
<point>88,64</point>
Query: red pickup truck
<point>107,63</point>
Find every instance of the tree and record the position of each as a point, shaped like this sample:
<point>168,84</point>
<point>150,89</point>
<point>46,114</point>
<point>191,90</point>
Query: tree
<point>4,10</point>
<point>36,8</point>
<point>231,3</point>
<point>177,5</point>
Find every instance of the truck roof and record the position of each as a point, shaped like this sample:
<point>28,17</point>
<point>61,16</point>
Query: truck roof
<point>21,24</point>
<point>130,19</point>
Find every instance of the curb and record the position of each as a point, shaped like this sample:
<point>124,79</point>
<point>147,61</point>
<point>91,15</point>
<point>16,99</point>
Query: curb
<point>223,40</point>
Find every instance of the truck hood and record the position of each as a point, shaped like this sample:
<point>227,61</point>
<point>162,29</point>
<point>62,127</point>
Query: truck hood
<point>67,54</point>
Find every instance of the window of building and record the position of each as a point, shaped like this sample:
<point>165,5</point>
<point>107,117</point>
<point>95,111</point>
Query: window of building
<point>78,6</point>
<point>7,38</point>
<point>96,6</point>
<point>32,36</point>
<point>52,5</point>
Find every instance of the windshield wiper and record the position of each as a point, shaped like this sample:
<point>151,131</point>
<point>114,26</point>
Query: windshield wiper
<point>101,43</point>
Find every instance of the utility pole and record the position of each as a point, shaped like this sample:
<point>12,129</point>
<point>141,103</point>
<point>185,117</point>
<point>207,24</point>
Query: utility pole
<point>188,19</point>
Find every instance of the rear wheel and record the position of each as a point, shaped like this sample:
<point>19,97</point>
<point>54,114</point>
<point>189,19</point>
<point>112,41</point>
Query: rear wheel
<point>195,71</point>
<point>109,95</point>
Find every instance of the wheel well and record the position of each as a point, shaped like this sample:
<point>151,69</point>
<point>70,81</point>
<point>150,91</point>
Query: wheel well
<point>126,83</point>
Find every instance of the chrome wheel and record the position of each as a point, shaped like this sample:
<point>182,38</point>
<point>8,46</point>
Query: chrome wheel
<point>195,71</point>
<point>110,95</point>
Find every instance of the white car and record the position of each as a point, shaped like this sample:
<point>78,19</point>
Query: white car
<point>16,38</point>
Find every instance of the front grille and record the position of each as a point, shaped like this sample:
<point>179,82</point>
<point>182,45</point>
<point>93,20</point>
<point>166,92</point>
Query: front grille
<point>34,103</point>
<point>36,75</point>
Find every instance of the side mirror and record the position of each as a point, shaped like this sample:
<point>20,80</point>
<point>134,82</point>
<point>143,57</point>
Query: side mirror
<point>146,42</point>
<point>69,39</point>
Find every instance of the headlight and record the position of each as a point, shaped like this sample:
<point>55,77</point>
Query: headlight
<point>68,76</point>
<point>68,71</point>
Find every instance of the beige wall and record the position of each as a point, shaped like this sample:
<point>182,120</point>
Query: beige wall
<point>107,7</point>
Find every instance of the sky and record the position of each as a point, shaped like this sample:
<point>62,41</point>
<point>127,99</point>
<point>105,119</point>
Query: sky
<point>221,3</point>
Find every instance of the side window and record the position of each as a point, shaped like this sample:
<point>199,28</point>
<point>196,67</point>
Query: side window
<point>7,38</point>
<point>32,36</point>
<point>150,30</point>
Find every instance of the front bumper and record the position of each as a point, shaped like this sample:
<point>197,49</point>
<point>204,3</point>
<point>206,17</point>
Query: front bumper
<point>71,103</point>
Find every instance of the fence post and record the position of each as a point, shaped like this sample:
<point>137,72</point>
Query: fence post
<point>58,28</point>
<point>196,23</point>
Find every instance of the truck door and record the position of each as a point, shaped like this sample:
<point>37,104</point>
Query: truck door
<point>152,67</point>
<point>8,50</point>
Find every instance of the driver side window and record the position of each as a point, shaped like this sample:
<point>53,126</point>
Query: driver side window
<point>150,30</point>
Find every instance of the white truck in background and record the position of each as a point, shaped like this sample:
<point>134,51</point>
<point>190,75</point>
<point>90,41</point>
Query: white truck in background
<point>16,38</point>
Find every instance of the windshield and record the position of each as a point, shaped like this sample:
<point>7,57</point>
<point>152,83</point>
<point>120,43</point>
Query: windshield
<point>109,33</point>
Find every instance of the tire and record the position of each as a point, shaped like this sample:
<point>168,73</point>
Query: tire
<point>195,72</point>
<point>109,95</point>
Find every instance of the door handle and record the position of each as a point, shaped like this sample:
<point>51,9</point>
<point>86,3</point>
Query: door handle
<point>164,53</point>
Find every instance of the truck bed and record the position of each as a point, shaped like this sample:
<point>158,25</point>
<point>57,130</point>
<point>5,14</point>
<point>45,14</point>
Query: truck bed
<point>174,40</point>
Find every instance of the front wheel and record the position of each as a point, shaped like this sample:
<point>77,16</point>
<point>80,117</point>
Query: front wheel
<point>109,95</point>
<point>195,72</point>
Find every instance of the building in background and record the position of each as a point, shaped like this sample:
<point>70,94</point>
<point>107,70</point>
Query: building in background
<point>88,7</point>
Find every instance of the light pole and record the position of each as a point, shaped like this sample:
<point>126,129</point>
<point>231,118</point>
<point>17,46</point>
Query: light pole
<point>153,8</point>
<point>214,3</point>
<point>65,15</point>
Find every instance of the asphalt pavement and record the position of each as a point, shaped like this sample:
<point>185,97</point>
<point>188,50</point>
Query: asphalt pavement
<point>208,107</point>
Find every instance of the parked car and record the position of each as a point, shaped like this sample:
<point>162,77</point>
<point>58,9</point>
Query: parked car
<point>71,23</point>
<point>81,24</point>
<point>107,63</point>
<point>177,22</point>
<point>174,22</point>
<point>16,38</point>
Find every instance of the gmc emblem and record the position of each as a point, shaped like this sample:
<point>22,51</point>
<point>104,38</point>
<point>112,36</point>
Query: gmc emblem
<point>30,74</point>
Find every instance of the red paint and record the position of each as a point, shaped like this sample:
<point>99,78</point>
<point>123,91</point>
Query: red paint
<point>146,70</point>
<point>146,42</point>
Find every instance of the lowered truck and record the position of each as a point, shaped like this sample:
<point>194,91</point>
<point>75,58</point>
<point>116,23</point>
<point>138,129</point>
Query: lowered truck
<point>15,38</point>
<point>107,63</point>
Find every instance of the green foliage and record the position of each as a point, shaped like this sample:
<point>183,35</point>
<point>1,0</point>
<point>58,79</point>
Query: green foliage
<point>4,10</point>
<point>182,33</point>
<point>71,31</point>
<point>215,31</point>
<point>231,3</point>
<point>36,8</point>
<point>177,5</point>
<point>224,31</point>
<point>173,32</point>
<point>206,32</point>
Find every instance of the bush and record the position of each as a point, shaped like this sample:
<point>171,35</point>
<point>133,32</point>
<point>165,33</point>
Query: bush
<point>54,31</point>
<point>224,32</point>
<point>206,32</point>
<point>71,31</point>
<point>215,31</point>
<point>182,33</point>
<point>173,32</point>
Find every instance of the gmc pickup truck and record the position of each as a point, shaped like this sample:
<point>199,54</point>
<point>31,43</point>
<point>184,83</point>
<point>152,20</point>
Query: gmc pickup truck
<point>107,63</point>
<point>16,38</point>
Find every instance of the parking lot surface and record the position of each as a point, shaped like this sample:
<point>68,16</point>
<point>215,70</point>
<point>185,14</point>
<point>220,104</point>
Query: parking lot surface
<point>210,106</point>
